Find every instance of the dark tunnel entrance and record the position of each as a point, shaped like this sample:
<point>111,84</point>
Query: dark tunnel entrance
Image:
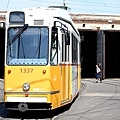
<point>112,54</point>
<point>2,51</point>
<point>88,53</point>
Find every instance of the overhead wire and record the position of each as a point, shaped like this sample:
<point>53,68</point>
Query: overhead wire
<point>42,3</point>
<point>7,4</point>
<point>104,3</point>
<point>95,5</point>
<point>73,5</point>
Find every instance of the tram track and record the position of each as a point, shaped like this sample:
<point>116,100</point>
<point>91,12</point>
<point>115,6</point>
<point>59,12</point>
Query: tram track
<point>59,117</point>
<point>101,106</point>
<point>3,113</point>
<point>97,106</point>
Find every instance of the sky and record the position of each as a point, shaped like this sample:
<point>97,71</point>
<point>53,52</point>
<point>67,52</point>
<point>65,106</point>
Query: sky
<point>75,6</point>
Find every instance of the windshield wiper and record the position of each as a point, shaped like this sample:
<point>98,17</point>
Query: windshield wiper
<point>12,40</point>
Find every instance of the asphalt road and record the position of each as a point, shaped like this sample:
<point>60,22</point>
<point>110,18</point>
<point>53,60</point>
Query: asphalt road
<point>96,101</point>
<point>1,90</point>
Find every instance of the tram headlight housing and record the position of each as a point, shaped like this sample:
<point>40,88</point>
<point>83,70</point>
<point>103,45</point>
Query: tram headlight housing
<point>26,86</point>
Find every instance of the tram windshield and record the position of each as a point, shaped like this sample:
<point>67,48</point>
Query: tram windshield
<point>27,48</point>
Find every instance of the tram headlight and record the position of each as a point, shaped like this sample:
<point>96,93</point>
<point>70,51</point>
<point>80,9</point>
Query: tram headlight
<point>26,86</point>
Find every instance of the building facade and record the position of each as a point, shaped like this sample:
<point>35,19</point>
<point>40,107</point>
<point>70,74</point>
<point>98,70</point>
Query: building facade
<point>100,35</point>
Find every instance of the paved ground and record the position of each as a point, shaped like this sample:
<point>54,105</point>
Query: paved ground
<point>1,90</point>
<point>96,101</point>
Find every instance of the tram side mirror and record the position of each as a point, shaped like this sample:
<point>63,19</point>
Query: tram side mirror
<point>67,39</point>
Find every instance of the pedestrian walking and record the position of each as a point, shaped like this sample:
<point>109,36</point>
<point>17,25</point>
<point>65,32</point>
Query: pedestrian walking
<point>98,71</point>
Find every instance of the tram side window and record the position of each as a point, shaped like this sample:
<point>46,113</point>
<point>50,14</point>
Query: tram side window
<point>79,52</point>
<point>74,49</point>
<point>67,48</point>
<point>54,47</point>
<point>63,48</point>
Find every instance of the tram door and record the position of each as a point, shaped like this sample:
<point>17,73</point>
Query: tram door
<point>64,70</point>
<point>101,52</point>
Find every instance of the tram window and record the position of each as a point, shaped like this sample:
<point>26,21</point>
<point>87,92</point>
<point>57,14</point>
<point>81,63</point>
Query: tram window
<point>79,51</point>
<point>66,43</point>
<point>74,49</point>
<point>54,47</point>
<point>63,47</point>
<point>29,48</point>
<point>67,38</point>
<point>65,53</point>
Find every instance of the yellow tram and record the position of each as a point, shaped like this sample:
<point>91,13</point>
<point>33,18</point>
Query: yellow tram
<point>42,59</point>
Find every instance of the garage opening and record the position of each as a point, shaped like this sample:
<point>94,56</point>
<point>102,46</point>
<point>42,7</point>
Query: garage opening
<point>112,54</point>
<point>2,51</point>
<point>88,53</point>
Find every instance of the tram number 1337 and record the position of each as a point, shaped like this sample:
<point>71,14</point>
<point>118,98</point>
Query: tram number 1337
<point>26,70</point>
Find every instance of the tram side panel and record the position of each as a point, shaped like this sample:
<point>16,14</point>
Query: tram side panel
<point>44,84</point>
<point>55,86</point>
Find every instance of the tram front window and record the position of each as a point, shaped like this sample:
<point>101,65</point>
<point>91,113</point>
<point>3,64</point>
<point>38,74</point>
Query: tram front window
<point>29,48</point>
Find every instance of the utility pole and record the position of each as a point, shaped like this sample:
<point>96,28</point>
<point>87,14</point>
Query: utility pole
<point>64,2</point>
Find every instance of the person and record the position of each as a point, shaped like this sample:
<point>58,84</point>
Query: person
<point>98,71</point>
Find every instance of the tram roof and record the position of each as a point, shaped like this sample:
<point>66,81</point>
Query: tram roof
<point>51,11</point>
<point>91,21</point>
